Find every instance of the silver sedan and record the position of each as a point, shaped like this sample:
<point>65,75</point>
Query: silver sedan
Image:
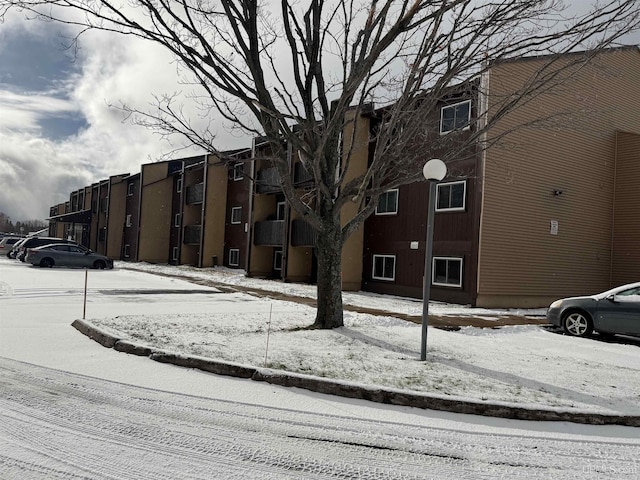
<point>616,311</point>
<point>66,255</point>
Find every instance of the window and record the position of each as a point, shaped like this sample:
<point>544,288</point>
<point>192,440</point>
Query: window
<point>451,196</point>
<point>130,186</point>
<point>179,185</point>
<point>384,267</point>
<point>455,117</point>
<point>125,253</point>
<point>447,272</point>
<point>281,209</point>
<point>174,254</point>
<point>238,171</point>
<point>176,220</point>
<point>277,260</point>
<point>388,203</point>
<point>236,215</point>
<point>234,257</point>
<point>128,223</point>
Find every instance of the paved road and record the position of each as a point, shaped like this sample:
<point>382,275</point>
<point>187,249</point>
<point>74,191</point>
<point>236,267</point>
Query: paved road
<point>70,409</point>
<point>58,425</point>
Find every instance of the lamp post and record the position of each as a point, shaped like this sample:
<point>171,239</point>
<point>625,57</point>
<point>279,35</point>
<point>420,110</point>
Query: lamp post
<point>434,171</point>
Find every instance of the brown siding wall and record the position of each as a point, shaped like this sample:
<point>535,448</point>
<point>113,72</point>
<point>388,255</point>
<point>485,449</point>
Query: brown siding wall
<point>521,262</point>
<point>235,235</point>
<point>626,225</point>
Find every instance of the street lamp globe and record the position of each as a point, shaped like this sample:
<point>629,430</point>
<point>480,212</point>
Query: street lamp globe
<point>434,170</point>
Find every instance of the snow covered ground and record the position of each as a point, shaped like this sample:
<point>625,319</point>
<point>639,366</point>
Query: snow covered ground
<point>524,365</point>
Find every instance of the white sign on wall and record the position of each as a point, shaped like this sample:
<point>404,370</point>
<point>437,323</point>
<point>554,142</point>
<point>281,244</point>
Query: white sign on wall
<point>554,227</point>
<point>414,245</point>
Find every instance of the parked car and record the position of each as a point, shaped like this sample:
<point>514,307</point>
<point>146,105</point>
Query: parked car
<point>67,255</point>
<point>616,311</point>
<point>20,249</point>
<point>16,246</point>
<point>7,243</point>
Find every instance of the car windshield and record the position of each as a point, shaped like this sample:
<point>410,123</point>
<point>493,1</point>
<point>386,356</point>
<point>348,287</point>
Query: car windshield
<point>619,290</point>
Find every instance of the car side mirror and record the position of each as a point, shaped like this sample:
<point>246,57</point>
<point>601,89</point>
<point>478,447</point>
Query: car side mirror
<point>88,252</point>
<point>611,298</point>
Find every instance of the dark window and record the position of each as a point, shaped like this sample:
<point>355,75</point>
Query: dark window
<point>384,267</point>
<point>455,117</point>
<point>236,215</point>
<point>130,188</point>
<point>388,203</point>
<point>447,271</point>
<point>238,171</point>
<point>125,253</point>
<point>277,260</point>
<point>234,257</point>
<point>451,196</point>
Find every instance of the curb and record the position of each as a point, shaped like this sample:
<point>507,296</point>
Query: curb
<point>349,390</point>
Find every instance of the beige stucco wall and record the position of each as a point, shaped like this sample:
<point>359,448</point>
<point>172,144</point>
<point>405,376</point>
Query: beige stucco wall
<point>155,213</point>
<point>520,262</point>
<point>215,209</point>
<point>354,246</point>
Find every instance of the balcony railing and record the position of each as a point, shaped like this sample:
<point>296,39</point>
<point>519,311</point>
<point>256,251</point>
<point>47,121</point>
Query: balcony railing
<point>268,181</point>
<point>195,193</point>
<point>191,235</point>
<point>300,175</point>
<point>302,235</point>
<point>269,233</point>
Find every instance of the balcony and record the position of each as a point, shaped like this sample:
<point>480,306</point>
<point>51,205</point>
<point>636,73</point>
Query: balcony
<point>191,235</point>
<point>195,194</point>
<point>269,233</point>
<point>302,235</point>
<point>300,175</point>
<point>268,181</point>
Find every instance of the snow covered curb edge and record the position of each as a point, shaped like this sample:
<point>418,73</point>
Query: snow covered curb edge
<point>344,389</point>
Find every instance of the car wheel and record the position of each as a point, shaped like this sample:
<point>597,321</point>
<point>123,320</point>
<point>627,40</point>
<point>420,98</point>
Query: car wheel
<point>99,264</point>
<point>577,324</point>
<point>46,263</point>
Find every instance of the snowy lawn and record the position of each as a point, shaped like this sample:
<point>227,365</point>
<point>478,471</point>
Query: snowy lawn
<point>524,365</point>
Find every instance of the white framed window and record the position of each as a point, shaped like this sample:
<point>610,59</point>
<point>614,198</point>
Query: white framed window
<point>388,203</point>
<point>130,187</point>
<point>281,209</point>
<point>447,271</point>
<point>238,171</point>
<point>179,185</point>
<point>450,196</point>
<point>277,260</point>
<point>175,253</point>
<point>128,221</point>
<point>236,215</point>
<point>126,251</point>
<point>384,267</point>
<point>234,257</point>
<point>455,117</point>
<point>176,220</point>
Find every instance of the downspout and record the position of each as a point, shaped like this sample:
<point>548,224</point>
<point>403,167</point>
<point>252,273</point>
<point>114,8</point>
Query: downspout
<point>483,112</point>
<point>287,225</point>
<point>203,215</point>
<point>250,216</point>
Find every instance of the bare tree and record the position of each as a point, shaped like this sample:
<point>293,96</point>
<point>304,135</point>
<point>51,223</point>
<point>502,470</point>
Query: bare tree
<point>299,73</point>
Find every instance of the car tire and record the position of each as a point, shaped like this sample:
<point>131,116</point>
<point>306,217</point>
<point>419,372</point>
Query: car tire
<point>577,323</point>
<point>99,264</point>
<point>47,263</point>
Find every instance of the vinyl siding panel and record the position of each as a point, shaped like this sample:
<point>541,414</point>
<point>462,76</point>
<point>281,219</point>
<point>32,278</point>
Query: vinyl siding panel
<point>521,263</point>
<point>626,229</point>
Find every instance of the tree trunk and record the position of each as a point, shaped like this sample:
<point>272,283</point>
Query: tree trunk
<point>329,250</point>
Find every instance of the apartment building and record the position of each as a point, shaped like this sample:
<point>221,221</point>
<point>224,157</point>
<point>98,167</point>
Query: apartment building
<point>552,212</point>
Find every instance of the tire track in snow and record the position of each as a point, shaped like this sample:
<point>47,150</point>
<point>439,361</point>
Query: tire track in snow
<point>59,425</point>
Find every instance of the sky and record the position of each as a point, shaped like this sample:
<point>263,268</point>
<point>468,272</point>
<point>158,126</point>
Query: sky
<point>59,130</point>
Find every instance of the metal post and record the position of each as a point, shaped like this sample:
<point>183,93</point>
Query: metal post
<point>426,287</point>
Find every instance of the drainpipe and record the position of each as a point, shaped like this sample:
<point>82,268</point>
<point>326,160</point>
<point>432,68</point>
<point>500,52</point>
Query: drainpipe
<point>203,209</point>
